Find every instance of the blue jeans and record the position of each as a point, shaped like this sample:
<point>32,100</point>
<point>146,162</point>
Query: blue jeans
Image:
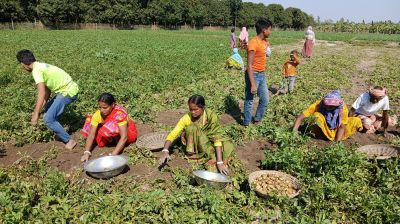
<point>261,84</point>
<point>288,83</point>
<point>53,109</point>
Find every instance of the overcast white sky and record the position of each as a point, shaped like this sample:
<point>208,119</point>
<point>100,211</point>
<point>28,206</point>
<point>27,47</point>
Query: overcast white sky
<point>353,10</point>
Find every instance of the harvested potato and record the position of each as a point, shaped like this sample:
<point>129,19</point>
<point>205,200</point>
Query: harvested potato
<point>272,183</point>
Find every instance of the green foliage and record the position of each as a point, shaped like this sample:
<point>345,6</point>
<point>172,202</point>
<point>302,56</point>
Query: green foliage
<point>338,185</point>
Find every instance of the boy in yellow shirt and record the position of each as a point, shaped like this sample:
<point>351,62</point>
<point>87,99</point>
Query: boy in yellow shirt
<point>289,72</point>
<point>49,78</point>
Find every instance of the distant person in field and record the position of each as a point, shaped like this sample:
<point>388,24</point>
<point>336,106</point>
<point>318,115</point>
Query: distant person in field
<point>49,78</point>
<point>255,77</point>
<point>233,38</point>
<point>289,72</point>
<point>235,60</point>
<point>110,124</point>
<point>309,43</point>
<point>331,118</point>
<point>243,38</point>
<point>367,106</point>
<point>201,132</point>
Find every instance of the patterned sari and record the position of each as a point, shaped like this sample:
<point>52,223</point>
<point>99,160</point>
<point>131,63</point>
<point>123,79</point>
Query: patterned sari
<point>200,137</point>
<point>108,131</point>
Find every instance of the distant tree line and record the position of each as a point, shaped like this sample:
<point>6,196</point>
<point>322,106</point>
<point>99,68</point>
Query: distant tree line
<point>385,27</point>
<point>171,13</point>
<point>196,13</point>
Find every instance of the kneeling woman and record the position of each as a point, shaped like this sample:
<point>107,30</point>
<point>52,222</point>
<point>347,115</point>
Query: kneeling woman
<point>201,132</point>
<point>109,125</point>
<point>332,119</point>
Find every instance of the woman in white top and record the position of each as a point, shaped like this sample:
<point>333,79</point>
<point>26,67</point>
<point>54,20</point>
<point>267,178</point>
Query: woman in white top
<point>309,43</point>
<point>367,107</point>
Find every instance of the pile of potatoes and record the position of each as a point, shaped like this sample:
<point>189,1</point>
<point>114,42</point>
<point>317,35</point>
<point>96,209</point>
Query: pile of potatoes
<point>272,183</point>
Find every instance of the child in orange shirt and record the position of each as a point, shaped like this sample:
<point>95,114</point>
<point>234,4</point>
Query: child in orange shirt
<point>289,72</point>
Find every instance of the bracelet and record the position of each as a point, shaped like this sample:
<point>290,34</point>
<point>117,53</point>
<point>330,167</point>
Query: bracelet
<point>87,152</point>
<point>220,162</point>
<point>165,150</point>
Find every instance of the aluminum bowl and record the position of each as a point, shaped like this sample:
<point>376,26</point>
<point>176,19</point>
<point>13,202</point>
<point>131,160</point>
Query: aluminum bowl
<point>211,179</point>
<point>106,167</point>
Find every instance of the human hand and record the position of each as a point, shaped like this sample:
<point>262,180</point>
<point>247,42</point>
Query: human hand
<point>223,169</point>
<point>35,118</point>
<point>387,134</point>
<point>164,158</point>
<point>295,131</point>
<point>253,89</point>
<point>85,157</point>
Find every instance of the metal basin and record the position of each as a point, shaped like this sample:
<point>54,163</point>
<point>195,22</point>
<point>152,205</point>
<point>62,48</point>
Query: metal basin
<point>106,167</point>
<point>211,179</point>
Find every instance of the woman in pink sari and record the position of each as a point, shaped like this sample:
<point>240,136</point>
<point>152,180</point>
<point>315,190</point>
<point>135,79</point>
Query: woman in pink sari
<point>111,124</point>
<point>309,43</point>
<point>243,38</point>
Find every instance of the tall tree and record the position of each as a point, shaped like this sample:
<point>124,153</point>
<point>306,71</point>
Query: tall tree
<point>299,18</point>
<point>277,15</point>
<point>250,13</point>
<point>10,10</point>
<point>235,7</point>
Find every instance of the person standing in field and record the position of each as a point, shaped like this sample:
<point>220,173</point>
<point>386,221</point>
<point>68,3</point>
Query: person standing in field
<point>255,74</point>
<point>233,38</point>
<point>289,72</point>
<point>49,78</point>
<point>243,38</point>
<point>309,43</point>
<point>367,106</point>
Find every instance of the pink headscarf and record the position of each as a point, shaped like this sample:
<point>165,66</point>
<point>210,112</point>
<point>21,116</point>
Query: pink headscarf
<point>244,35</point>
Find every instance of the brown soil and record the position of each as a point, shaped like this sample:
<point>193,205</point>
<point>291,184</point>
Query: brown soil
<point>252,153</point>
<point>170,118</point>
<point>358,79</point>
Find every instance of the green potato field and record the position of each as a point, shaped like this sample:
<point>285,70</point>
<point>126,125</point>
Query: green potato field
<point>152,73</point>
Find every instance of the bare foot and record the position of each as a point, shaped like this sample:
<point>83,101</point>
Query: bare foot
<point>70,144</point>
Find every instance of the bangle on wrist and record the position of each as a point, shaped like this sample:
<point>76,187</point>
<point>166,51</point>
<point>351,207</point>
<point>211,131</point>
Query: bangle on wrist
<point>220,162</point>
<point>165,150</point>
<point>87,152</point>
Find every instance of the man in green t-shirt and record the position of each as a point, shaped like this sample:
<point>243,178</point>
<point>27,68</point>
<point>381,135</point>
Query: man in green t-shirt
<point>49,78</point>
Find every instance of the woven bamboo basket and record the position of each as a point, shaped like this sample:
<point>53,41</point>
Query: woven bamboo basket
<point>379,151</point>
<point>152,141</point>
<point>253,176</point>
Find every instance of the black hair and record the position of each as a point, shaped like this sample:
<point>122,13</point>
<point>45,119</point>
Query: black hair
<point>261,24</point>
<point>233,30</point>
<point>198,100</point>
<point>294,52</point>
<point>25,56</point>
<point>107,98</point>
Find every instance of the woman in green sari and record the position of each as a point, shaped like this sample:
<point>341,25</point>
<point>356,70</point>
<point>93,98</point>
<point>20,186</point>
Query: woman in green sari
<point>201,132</point>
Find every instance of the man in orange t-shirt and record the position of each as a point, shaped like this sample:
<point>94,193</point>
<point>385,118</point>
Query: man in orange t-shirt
<point>255,74</point>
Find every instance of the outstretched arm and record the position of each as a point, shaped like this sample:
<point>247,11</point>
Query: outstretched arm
<point>385,122</point>
<point>340,133</point>
<point>89,143</point>
<point>298,121</point>
<point>41,95</point>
